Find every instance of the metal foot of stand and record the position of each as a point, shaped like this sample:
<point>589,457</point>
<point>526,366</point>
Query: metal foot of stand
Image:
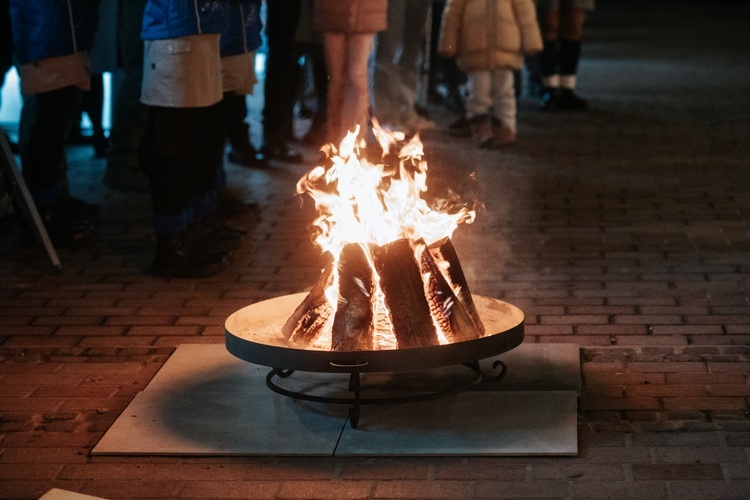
<point>355,387</point>
<point>19,189</point>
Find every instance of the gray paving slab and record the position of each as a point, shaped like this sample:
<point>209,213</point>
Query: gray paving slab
<point>204,401</point>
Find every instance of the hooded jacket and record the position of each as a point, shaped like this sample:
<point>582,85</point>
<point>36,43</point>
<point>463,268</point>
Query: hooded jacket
<point>167,19</point>
<point>242,31</point>
<point>51,28</point>
<point>489,34</point>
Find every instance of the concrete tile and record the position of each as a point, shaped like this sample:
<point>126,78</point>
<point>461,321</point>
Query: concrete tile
<point>204,401</point>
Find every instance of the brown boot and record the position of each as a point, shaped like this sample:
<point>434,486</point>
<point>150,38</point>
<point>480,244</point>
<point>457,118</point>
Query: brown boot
<point>502,137</point>
<point>480,127</point>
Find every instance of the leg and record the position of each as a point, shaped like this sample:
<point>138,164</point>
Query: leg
<point>238,131</point>
<point>129,115</point>
<point>571,32</point>
<point>169,159</point>
<point>334,44</point>
<point>357,83</point>
<point>504,107</point>
<point>388,101</point>
<point>45,121</point>
<point>280,86</point>
<point>478,106</point>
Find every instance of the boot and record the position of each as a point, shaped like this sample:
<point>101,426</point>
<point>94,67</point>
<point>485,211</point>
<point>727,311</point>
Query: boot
<point>502,137</point>
<point>176,257</point>
<point>569,101</point>
<point>481,129</point>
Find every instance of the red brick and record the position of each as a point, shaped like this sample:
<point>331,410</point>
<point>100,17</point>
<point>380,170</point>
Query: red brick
<point>518,489</point>
<point>667,367</point>
<point>659,391</point>
<point>572,319</point>
<point>480,470</point>
<point>596,402</point>
<point>327,489</point>
<point>706,403</point>
<point>619,489</point>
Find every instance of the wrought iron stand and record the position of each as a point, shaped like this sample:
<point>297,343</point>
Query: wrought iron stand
<point>355,387</point>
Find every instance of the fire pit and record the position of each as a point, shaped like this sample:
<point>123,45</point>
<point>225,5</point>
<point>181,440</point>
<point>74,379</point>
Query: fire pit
<point>393,296</point>
<point>253,334</point>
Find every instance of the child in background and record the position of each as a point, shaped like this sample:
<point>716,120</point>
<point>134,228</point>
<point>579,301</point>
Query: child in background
<point>489,39</point>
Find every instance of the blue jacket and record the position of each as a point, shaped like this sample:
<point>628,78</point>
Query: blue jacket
<point>242,29</point>
<point>164,19</point>
<point>51,28</point>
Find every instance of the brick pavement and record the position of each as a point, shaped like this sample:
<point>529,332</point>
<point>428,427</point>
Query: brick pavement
<point>625,230</point>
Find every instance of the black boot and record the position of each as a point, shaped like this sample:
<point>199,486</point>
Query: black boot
<point>177,257</point>
<point>569,101</point>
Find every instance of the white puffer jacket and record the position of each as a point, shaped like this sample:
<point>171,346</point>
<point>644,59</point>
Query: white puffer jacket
<point>489,34</point>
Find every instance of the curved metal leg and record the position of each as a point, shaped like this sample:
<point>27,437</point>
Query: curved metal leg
<point>355,386</point>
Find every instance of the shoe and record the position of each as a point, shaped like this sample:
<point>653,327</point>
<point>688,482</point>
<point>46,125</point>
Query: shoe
<point>480,127</point>
<point>501,138</point>
<point>459,127</point>
<point>250,158</point>
<point>549,99</point>
<point>177,257</point>
<point>569,101</point>
<point>214,233</point>
<point>316,135</point>
<point>66,227</point>
<point>282,153</point>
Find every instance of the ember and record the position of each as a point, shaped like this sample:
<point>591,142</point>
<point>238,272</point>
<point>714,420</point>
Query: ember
<point>394,280</point>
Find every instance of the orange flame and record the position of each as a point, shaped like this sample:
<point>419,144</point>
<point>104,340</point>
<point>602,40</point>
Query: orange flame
<point>368,203</point>
<point>361,202</point>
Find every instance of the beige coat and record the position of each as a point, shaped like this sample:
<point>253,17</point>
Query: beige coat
<point>489,34</point>
<point>350,16</point>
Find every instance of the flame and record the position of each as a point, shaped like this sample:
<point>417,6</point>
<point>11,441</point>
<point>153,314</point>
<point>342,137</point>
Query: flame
<point>361,202</point>
<point>365,202</point>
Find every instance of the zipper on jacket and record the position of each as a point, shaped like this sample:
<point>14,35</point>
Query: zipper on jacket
<point>244,28</point>
<point>197,17</point>
<point>72,27</point>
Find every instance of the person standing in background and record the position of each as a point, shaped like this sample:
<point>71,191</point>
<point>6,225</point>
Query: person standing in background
<point>562,29</point>
<point>282,17</point>
<point>51,44</point>
<point>182,91</point>
<point>398,54</point>
<point>123,171</point>
<point>239,42</point>
<point>349,28</point>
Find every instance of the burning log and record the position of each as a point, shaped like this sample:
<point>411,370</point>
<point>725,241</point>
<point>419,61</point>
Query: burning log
<point>412,300</point>
<point>353,323</point>
<point>311,317</point>
<point>445,252</point>
<point>401,282</point>
<point>452,314</point>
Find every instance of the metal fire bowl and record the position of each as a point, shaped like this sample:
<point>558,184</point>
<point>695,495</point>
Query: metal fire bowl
<point>253,334</point>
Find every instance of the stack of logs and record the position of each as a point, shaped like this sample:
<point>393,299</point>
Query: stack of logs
<point>383,289</point>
